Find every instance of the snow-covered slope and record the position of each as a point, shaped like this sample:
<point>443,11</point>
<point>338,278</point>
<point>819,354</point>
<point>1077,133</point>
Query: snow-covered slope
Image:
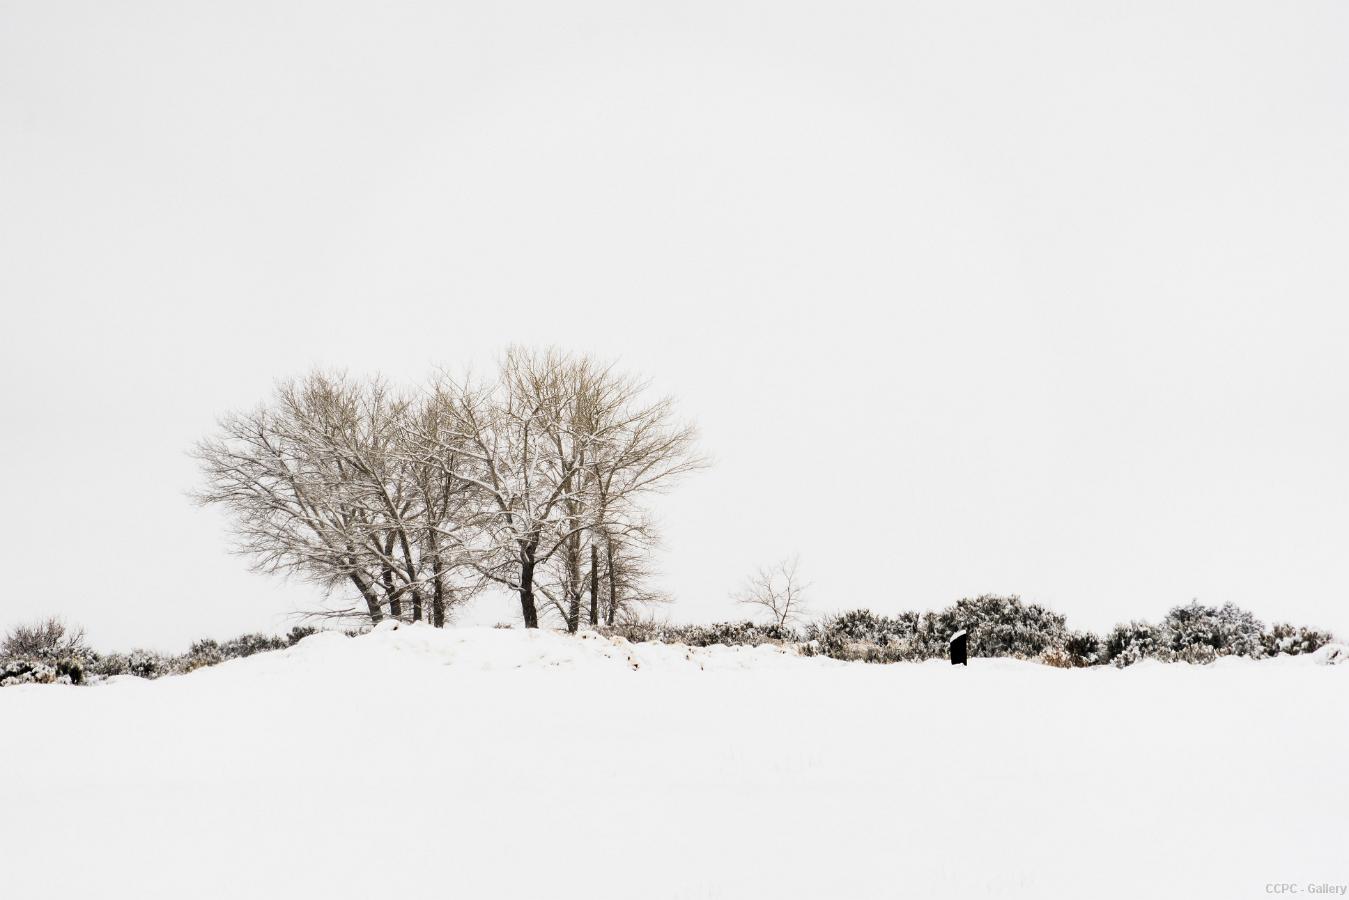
<point>496,763</point>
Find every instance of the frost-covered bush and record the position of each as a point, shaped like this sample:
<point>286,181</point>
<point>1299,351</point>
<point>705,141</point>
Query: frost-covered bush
<point>1129,643</point>
<point>1332,655</point>
<point>248,644</point>
<point>1294,639</point>
<point>647,631</point>
<point>998,626</point>
<point>110,664</point>
<point>1084,649</point>
<point>26,671</point>
<point>299,633</point>
<point>49,639</point>
<point>860,634</point>
<point>147,664</point>
<point>731,634</point>
<point>1195,654</point>
<point>50,647</point>
<point>1228,630</point>
<point>1079,650</point>
<point>1058,658</point>
<point>203,653</point>
<point>734,634</point>
<point>208,652</point>
<point>864,625</point>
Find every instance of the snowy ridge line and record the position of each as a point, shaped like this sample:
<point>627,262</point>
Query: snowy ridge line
<point>392,645</point>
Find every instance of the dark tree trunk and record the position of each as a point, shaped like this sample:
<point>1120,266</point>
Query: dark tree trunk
<point>395,600</point>
<point>594,584</point>
<point>574,583</point>
<point>609,576</point>
<point>371,598</point>
<point>411,570</point>
<point>437,594</point>
<point>573,589</point>
<point>527,607</point>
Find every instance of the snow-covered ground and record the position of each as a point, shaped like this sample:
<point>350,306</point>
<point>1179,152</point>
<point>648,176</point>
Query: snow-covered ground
<point>493,763</point>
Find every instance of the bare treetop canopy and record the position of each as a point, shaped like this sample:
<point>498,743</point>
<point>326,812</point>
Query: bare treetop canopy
<point>533,480</point>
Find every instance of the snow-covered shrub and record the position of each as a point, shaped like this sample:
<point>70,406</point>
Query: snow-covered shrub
<point>1084,648</point>
<point>203,653</point>
<point>729,633</point>
<point>27,671</point>
<point>636,632</point>
<point>299,633</point>
<point>248,644</point>
<point>860,634</point>
<point>1079,650</point>
<point>1058,658</point>
<point>1129,643</point>
<point>1294,639</point>
<point>864,625</point>
<point>147,664</point>
<point>109,664</point>
<point>1195,654</point>
<point>71,669</point>
<point>1228,630</point>
<point>1332,655</point>
<point>50,647</point>
<point>998,626</point>
<point>49,639</point>
<point>208,652</point>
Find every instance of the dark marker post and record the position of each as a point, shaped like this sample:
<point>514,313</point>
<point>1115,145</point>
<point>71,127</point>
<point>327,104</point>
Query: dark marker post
<point>958,648</point>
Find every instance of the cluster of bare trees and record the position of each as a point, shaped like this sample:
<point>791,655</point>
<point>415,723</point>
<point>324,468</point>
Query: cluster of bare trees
<point>534,480</point>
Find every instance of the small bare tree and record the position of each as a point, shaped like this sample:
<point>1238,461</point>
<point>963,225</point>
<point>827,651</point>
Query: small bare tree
<point>777,589</point>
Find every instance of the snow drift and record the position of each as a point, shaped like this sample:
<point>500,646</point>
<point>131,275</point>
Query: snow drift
<point>418,762</point>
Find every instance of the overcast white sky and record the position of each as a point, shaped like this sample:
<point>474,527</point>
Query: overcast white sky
<point>1044,298</point>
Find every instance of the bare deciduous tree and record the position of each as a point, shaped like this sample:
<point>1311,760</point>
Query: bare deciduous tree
<point>315,489</point>
<point>777,589</point>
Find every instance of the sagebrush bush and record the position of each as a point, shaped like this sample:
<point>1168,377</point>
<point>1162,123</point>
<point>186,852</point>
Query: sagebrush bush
<point>731,634</point>
<point>1228,630</point>
<point>860,634</point>
<point>299,633</point>
<point>248,644</point>
<point>50,646</point>
<point>999,626</point>
<point>26,671</point>
<point>1294,639</point>
<point>50,638</point>
<point>1129,643</point>
<point>1082,648</point>
<point>1079,650</point>
<point>110,664</point>
<point>148,664</point>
